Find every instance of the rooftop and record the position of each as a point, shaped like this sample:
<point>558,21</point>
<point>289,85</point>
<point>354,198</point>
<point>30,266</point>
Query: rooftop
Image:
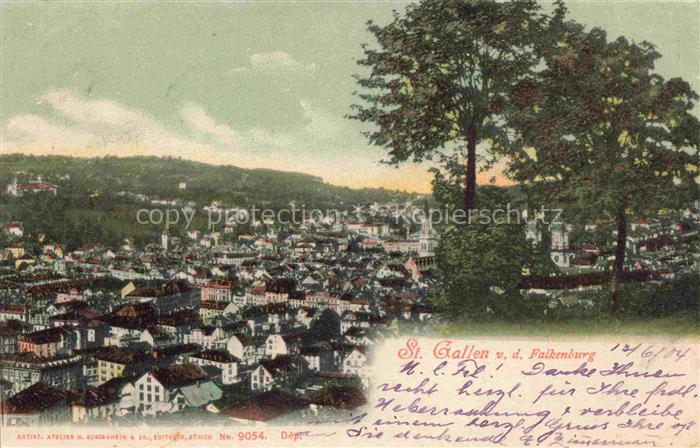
<point>33,400</point>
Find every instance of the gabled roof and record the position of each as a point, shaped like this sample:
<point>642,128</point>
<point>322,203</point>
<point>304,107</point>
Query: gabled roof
<point>33,400</point>
<point>174,350</point>
<point>11,327</point>
<point>178,375</point>
<point>120,355</point>
<point>158,334</point>
<point>48,336</point>
<point>201,394</point>
<point>277,364</point>
<point>103,394</point>
<point>216,356</point>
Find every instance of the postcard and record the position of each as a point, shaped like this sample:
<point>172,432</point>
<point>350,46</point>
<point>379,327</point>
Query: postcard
<point>349,223</point>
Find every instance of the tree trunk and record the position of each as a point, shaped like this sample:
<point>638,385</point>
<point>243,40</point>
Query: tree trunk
<point>470,187</point>
<point>619,263</point>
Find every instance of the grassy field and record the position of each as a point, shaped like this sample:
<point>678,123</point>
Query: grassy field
<point>679,325</point>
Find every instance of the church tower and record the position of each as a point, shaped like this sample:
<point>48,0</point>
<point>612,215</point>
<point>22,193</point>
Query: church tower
<point>427,239</point>
<point>164,238</point>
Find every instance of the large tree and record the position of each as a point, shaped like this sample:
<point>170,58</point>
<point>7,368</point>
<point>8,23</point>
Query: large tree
<point>604,136</point>
<point>439,76</point>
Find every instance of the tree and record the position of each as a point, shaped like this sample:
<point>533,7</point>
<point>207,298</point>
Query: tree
<point>324,328</point>
<point>482,263</point>
<point>439,78</point>
<point>602,134</point>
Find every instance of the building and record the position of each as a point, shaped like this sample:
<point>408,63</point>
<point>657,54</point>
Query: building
<point>276,345</point>
<point>50,342</point>
<point>26,369</point>
<point>113,362</point>
<point>355,362</point>
<point>242,347</point>
<point>401,246</point>
<point>39,404</point>
<point>14,312</point>
<point>155,336</point>
<point>10,332</point>
<point>427,238</point>
<point>272,373</point>
<point>216,292</point>
<point>14,229</point>
<point>221,360</point>
<point>164,238</point>
<point>113,398</point>
<point>16,189</point>
<point>174,388</point>
<point>211,310</point>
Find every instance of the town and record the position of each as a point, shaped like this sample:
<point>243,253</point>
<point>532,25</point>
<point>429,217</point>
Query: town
<point>271,323</point>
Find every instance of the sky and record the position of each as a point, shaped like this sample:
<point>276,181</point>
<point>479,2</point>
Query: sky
<point>255,84</point>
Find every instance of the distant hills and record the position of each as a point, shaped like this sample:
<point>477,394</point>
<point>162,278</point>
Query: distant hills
<point>88,208</point>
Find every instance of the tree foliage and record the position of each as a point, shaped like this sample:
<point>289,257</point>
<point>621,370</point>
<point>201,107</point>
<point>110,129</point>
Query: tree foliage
<point>482,263</point>
<point>440,74</point>
<point>602,134</point>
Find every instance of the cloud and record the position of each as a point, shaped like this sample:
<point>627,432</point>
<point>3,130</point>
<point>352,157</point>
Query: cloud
<point>33,129</point>
<point>273,62</point>
<point>198,118</point>
<point>325,145</point>
<point>94,123</point>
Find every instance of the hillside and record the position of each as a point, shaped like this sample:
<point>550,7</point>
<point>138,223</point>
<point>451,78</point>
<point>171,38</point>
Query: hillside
<point>88,208</point>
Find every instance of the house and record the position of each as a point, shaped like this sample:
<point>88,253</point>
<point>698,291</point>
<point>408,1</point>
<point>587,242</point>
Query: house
<point>644,225</point>
<point>275,345</point>
<point>39,404</point>
<point>174,354</point>
<point>209,310</point>
<point>114,362</point>
<point>416,266</point>
<point>317,357</point>
<point>267,406</point>
<point>54,249</point>
<point>24,369</point>
<point>355,362</point>
<point>205,336</point>
<point>360,336</point>
<point>178,323</point>
<point>113,398</point>
<point>174,388</point>
<point>14,229</point>
<point>24,261</point>
<point>50,342</point>
<point>216,292</point>
<point>157,337</point>
<point>359,319</point>
<point>274,372</point>
<point>591,226</point>
<point>14,312</point>
<point>15,251</point>
<point>559,236</point>
<point>222,360</point>
<point>16,189</point>
<point>241,347</point>
<point>401,246</point>
<point>167,299</point>
<point>10,332</point>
